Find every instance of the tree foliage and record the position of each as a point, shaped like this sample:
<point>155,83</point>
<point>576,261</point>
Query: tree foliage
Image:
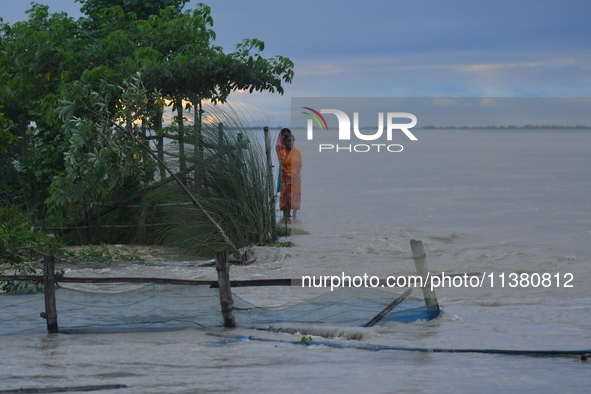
<point>143,9</point>
<point>100,159</point>
<point>61,79</point>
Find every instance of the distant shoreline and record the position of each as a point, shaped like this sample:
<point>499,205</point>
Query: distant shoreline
<point>526,127</point>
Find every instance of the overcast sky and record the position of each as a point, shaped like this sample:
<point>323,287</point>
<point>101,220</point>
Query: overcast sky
<point>385,48</point>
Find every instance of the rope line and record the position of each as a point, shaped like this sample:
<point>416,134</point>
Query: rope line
<point>584,354</point>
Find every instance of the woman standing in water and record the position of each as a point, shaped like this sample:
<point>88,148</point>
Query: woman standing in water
<point>290,160</point>
<point>279,146</point>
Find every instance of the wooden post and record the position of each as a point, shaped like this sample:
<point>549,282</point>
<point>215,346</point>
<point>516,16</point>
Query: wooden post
<point>418,254</point>
<point>140,235</point>
<point>220,134</point>
<point>49,288</point>
<point>197,141</point>
<point>387,309</point>
<point>160,146</point>
<point>270,171</point>
<point>268,154</point>
<point>181,133</point>
<point>227,303</point>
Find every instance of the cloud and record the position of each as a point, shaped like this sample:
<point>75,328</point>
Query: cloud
<point>554,63</point>
<point>458,62</point>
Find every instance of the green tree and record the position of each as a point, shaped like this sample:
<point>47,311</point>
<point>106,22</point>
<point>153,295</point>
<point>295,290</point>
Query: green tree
<point>35,58</point>
<point>177,55</point>
<point>52,62</point>
<point>100,158</point>
<point>143,9</point>
<point>8,176</point>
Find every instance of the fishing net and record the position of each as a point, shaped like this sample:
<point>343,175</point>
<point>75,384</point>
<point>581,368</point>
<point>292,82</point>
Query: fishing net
<point>167,306</point>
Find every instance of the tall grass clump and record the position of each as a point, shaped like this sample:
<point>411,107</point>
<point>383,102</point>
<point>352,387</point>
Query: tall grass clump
<point>231,181</point>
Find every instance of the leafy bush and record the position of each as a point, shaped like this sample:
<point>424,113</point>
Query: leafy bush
<point>10,286</point>
<point>20,244</point>
<point>20,241</point>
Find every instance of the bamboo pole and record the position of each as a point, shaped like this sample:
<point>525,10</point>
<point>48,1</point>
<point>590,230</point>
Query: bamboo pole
<point>211,283</point>
<point>110,225</point>
<point>418,254</point>
<point>198,176</point>
<point>50,314</point>
<point>220,134</point>
<point>169,204</point>
<point>269,162</point>
<point>387,309</point>
<point>157,119</point>
<point>270,173</point>
<point>140,235</point>
<point>181,132</point>
<point>188,282</point>
<point>226,302</point>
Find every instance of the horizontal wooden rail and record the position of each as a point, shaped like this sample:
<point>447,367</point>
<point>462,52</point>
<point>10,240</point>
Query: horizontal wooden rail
<point>107,226</point>
<point>211,283</point>
<point>168,204</point>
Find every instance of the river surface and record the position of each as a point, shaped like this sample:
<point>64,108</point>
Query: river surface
<point>497,203</point>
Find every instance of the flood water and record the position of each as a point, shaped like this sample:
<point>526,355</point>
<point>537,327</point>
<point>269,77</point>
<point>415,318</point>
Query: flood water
<point>492,202</point>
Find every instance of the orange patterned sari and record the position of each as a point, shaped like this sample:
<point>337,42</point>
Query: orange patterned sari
<point>291,182</point>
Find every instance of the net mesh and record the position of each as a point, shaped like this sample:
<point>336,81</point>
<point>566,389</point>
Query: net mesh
<point>179,306</point>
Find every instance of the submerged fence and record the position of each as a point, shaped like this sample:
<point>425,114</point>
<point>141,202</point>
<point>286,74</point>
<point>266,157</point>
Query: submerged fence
<point>50,278</point>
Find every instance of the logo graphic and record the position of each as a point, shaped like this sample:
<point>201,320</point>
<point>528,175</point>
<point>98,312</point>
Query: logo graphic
<point>345,129</point>
<point>315,117</point>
